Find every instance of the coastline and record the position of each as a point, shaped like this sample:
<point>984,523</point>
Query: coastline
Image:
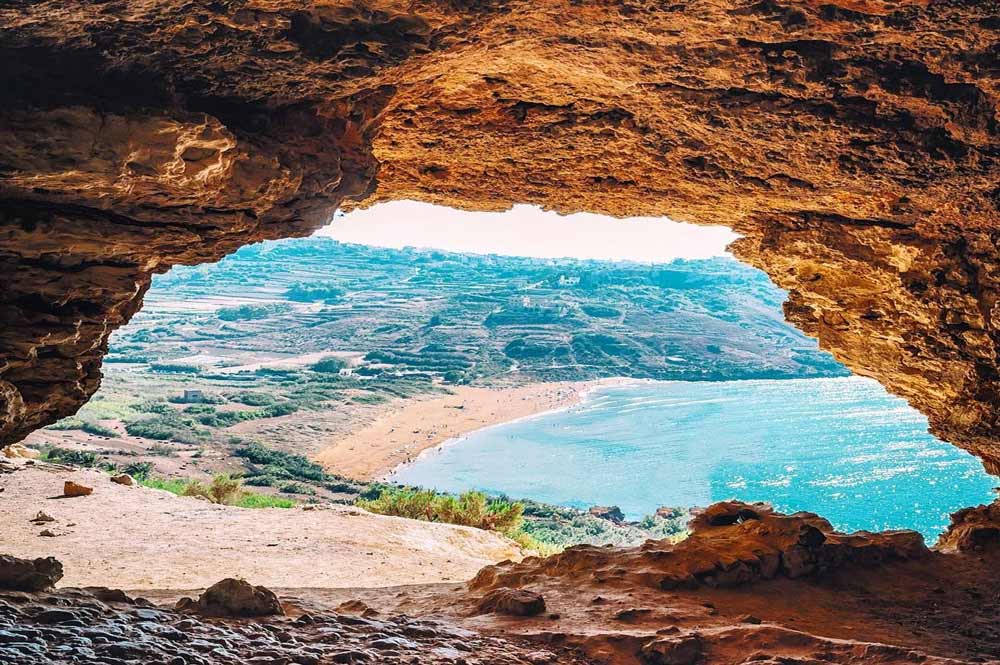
<point>414,427</point>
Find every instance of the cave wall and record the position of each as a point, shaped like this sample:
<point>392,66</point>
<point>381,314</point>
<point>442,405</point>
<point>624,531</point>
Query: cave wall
<point>853,143</point>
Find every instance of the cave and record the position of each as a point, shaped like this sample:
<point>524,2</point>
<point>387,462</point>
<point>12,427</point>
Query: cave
<point>853,144</point>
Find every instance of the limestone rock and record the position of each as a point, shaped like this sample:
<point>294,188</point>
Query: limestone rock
<point>972,529</point>
<point>516,602</point>
<point>71,489</point>
<point>123,479</point>
<point>20,451</point>
<point>730,543</point>
<point>852,144</point>
<point>234,598</point>
<point>29,575</point>
<point>42,517</point>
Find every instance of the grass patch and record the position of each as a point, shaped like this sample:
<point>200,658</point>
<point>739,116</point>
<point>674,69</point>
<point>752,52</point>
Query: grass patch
<point>87,426</point>
<point>224,490</point>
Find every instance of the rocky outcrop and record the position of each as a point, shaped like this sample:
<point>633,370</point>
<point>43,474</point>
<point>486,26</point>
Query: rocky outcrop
<point>853,143</point>
<point>29,575</point>
<point>730,544</point>
<point>972,529</point>
<point>234,598</point>
<point>516,602</point>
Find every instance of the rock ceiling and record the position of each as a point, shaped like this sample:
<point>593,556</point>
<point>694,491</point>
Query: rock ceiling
<point>853,143</point>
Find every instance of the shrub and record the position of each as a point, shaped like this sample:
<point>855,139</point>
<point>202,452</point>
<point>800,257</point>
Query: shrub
<point>278,463</point>
<point>326,291</point>
<point>87,426</point>
<point>68,456</point>
<point>253,399</point>
<point>174,368</point>
<point>251,312</point>
<point>330,365</point>
<point>138,470</point>
<point>172,426</point>
<point>468,509</point>
<point>224,489</point>
<point>161,450</point>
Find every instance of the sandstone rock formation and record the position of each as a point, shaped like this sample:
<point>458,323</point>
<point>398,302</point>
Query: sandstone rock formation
<point>29,575</point>
<point>235,598</point>
<point>516,602</point>
<point>854,144</point>
<point>71,489</point>
<point>972,529</point>
<point>730,544</point>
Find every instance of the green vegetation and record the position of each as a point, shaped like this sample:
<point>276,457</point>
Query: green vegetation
<point>59,455</point>
<point>329,365</point>
<point>251,312</point>
<point>469,509</point>
<point>274,468</point>
<point>224,489</point>
<point>561,527</point>
<point>228,418</point>
<point>87,426</point>
<point>171,426</point>
<point>309,292</point>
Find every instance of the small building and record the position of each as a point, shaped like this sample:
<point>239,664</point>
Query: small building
<point>193,397</point>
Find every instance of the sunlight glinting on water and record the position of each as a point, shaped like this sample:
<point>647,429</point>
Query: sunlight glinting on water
<point>843,448</point>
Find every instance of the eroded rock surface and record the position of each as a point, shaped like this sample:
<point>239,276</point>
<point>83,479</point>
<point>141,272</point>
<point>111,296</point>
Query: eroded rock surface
<point>106,626</point>
<point>730,544</point>
<point>853,142</point>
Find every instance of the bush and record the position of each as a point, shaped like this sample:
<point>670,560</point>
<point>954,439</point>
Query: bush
<point>251,312</point>
<point>326,291</point>
<point>330,365</point>
<point>224,489</point>
<point>161,450</point>
<point>277,463</point>
<point>253,399</point>
<point>171,426</point>
<point>138,470</point>
<point>468,509</point>
<point>68,456</point>
<point>174,368</point>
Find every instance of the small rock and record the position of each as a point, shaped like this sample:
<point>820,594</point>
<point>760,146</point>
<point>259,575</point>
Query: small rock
<point>630,613</point>
<point>75,489</point>
<point>55,616</point>
<point>610,513</point>
<point>751,619</point>
<point>684,650</point>
<point>48,533</point>
<point>42,517</point>
<point>516,602</point>
<point>234,598</point>
<point>123,479</point>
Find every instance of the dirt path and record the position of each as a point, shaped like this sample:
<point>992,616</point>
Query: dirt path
<point>137,538</point>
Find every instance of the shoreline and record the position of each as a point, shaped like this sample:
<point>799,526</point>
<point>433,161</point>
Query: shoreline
<point>415,427</point>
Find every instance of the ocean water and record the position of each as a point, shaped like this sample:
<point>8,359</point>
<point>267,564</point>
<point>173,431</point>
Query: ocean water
<point>843,448</point>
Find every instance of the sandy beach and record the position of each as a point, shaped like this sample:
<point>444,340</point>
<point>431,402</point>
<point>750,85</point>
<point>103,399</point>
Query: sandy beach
<point>403,433</point>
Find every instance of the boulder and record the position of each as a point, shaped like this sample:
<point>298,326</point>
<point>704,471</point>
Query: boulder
<point>680,650</point>
<point>29,575</point>
<point>516,602</point>
<point>234,598</point>
<point>71,489</point>
<point>123,479</point>
<point>20,451</point>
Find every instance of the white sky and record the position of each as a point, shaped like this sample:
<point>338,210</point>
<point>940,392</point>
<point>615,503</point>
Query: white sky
<point>528,231</point>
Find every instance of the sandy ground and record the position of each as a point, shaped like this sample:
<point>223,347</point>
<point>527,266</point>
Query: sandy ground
<point>399,435</point>
<point>138,538</point>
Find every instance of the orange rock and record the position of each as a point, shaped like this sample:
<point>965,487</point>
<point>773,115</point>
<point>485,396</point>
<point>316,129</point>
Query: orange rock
<point>75,489</point>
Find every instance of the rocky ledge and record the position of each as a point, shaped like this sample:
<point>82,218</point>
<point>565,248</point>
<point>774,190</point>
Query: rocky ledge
<point>730,543</point>
<point>106,626</point>
<point>854,144</point>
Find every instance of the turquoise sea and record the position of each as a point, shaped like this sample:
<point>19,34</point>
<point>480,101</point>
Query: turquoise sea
<point>840,447</point>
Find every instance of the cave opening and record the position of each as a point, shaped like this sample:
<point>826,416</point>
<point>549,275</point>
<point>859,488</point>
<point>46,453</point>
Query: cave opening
<point>851,144</point>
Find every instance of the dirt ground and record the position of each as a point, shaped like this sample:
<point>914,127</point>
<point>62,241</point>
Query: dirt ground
<point>138,538</point>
